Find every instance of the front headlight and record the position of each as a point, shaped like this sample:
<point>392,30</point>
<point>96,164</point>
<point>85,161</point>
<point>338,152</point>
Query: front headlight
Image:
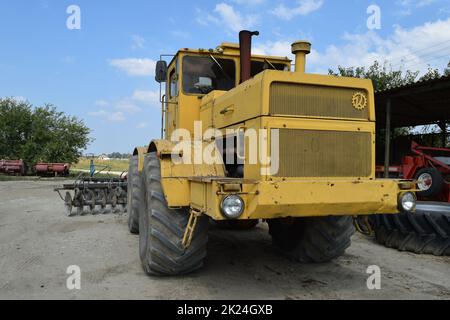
<point>232,206</point>
<point>407,202</point>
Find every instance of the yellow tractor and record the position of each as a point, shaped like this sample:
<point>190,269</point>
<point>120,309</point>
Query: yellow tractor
<point>246,139</point>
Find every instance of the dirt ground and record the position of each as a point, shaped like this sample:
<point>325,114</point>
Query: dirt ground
<point>38,243</point>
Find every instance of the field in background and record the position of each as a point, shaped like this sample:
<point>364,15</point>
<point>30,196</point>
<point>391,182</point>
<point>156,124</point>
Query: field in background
<point>113,165</point>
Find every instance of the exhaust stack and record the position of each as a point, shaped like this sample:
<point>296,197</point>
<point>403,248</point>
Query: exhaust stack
<point>301,49</point>
<point>245,45</point>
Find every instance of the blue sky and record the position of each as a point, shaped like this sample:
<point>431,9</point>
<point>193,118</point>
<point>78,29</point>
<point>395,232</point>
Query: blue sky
<point>103,73</point>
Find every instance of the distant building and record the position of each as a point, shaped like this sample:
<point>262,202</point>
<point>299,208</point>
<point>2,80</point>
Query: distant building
<point>104,157</point>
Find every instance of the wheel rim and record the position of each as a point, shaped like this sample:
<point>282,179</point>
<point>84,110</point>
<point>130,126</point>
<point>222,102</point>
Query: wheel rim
<point>425,181</point>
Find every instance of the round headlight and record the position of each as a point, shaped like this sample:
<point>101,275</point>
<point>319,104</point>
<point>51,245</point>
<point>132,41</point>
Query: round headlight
<point>232,206</point>
<point>408,202</point>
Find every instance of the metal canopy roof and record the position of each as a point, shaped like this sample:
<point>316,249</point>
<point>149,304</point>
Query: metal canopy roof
<point>420,103</point>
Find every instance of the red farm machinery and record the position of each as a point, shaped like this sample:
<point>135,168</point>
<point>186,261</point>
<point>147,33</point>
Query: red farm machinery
<point>54,169</point>
<point>13,167</point>
<point>430,166</point>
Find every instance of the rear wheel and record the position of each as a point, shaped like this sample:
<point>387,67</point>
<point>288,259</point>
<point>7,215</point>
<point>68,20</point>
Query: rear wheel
<point>161,230</point>
<point>312,240</point>
<point>430,182</point>
<point>134,195</point>
<point>423,232</point>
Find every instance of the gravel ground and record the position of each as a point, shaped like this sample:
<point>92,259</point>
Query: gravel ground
<point>38,243</point>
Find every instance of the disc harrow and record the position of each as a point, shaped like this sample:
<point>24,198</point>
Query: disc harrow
<point>93,196</point>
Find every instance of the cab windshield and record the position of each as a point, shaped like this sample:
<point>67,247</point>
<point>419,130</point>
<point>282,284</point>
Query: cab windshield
<point>204,74</point>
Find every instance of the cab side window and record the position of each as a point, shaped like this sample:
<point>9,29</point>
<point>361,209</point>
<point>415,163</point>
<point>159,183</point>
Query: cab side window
<point>173,84</point>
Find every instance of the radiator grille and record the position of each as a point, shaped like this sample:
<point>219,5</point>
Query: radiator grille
<point>314,101</point>
<point>311,153</point>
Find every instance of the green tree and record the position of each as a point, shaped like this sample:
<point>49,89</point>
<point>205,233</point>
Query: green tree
<point>40,134</point>
<point>385,77</point>
<point>382,76</point>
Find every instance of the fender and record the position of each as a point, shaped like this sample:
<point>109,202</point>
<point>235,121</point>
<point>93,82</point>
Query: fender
<point>140,152</point>
<point>175,177</point>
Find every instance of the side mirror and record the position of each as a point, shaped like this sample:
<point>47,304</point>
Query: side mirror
<point>161,71</point>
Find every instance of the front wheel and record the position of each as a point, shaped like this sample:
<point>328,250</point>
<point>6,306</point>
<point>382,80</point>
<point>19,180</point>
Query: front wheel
<point>161,230</point>
<point>312,240</point>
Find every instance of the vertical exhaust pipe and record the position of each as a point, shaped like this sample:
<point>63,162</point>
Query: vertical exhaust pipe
<point>301,49</point>
<point>245,45</point>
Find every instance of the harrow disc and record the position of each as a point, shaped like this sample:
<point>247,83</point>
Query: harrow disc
<point>108,209</point>
<point>95,196</point>
<point>86,210</point>
<point>119,209</point>
<point>68,204</point>
<point>98,209</point>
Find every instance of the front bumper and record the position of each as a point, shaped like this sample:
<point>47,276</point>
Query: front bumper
<point>279,199</point>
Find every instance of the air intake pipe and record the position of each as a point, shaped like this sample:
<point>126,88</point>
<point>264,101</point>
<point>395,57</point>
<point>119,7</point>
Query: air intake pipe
<point>301,49</point>
<point>245,45</point>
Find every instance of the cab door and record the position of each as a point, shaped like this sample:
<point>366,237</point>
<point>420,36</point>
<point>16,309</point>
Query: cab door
<point>171,100</point>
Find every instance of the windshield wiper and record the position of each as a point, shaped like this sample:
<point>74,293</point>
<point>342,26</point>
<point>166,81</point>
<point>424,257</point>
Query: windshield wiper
<point>270,64</point>
<point>220,67</point>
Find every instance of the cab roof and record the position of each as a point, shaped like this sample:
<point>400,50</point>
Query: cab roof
<point>232,49</point>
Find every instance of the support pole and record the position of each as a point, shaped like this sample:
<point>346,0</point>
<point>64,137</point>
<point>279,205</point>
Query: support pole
<point>387,151</point>
<point>443,126</point>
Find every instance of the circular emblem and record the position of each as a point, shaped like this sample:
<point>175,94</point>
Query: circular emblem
<point>359,101</point>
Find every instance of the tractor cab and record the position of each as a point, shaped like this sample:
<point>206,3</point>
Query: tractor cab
<point>194,73</point>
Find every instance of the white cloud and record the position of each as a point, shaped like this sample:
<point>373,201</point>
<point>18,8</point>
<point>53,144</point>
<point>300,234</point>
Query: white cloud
<point>134,66</point>
<point>226,15</point>
<point>68,60</point>
<point>101,103</point>
<point>249,2</point>
<point>20,99</point>
<point>407,6</point>
<point>127,106</point>
<point>274,48</point>
<point>146,96</point>
<point>116,117</point>
<point>412,49</point>
<point>415,3</point>
<point>142,125</point>
<point>99,113</point>
<point>303,8</point>
<point>180,34</point>
<point>109,116</point>
<point>138,42</point>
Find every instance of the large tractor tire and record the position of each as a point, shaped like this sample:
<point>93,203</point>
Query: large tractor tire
<point>239,225</point>
<point>430,182</point>
<point>425,232</point>
<point>161,230</point>
<point>134,195</point>
<point>312,240</point>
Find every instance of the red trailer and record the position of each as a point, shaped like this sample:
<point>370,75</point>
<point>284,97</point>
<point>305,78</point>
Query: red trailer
<point>15,167</point>
<point>430,166</point>
<point>56,169</point>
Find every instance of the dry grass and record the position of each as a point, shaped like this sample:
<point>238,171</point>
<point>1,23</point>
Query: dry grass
<point>113,165</point>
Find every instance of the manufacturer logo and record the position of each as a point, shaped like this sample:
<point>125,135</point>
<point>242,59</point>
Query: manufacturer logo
<point>359,101</point>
